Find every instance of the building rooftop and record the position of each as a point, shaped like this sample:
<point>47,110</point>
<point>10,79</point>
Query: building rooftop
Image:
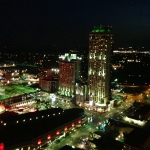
<point>7,116</point>
<point>143,109</point>
<point>69,57</point>
<point>102,29</point>
<point>107,143</point>
<point>14,135</point>
<point>118,123</point>
<point>137,137</point>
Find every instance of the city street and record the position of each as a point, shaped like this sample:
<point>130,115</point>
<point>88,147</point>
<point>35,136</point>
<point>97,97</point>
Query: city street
<point>74,138</point>
<point>43,100</point>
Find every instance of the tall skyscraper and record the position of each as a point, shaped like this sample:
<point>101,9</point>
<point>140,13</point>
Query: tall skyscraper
<point>99,69</point>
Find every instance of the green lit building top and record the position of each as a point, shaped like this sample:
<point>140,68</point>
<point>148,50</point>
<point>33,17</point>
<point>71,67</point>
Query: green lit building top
<point>102,29</point>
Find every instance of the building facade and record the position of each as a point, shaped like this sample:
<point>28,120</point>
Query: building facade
<point>69,73</point>
<point>48,80</point>
<point>99,68</point>
<point>81,93</point>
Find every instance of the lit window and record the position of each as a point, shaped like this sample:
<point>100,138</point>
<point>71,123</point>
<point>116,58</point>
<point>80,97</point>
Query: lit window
<point>1,146</point>
<point>48,136</point>
<point>72,124</point>
<point>39,141</point>
<point>65,128</point>
<point>57,132</point>
<point>79,121</point>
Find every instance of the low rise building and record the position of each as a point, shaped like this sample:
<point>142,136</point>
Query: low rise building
<point>137,139</point>
<point>34,130</point>
<point>48,80</point>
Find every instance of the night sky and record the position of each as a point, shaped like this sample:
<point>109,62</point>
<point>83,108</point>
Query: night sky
<point>43,23</point>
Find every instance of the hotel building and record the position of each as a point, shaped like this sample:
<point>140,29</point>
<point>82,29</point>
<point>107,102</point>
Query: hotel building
<point>99,68</point>
<point>69,74</point>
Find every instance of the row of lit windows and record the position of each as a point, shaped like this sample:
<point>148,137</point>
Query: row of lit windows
<point>32,118</point>
<point>97,46</point>
<point>101,36</point>
<point>96,78</point>
<point>99,90</point>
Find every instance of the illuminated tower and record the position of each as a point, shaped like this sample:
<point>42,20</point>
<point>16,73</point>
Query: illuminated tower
<point>100,50</point>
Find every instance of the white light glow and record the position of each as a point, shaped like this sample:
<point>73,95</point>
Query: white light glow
<point>138,122</point>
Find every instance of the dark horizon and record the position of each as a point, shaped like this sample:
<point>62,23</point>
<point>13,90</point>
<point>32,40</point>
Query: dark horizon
<point>43,24</point>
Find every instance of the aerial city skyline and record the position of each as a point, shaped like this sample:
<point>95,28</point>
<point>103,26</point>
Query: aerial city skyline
<point>87,97</point>
<point>43,24</point>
